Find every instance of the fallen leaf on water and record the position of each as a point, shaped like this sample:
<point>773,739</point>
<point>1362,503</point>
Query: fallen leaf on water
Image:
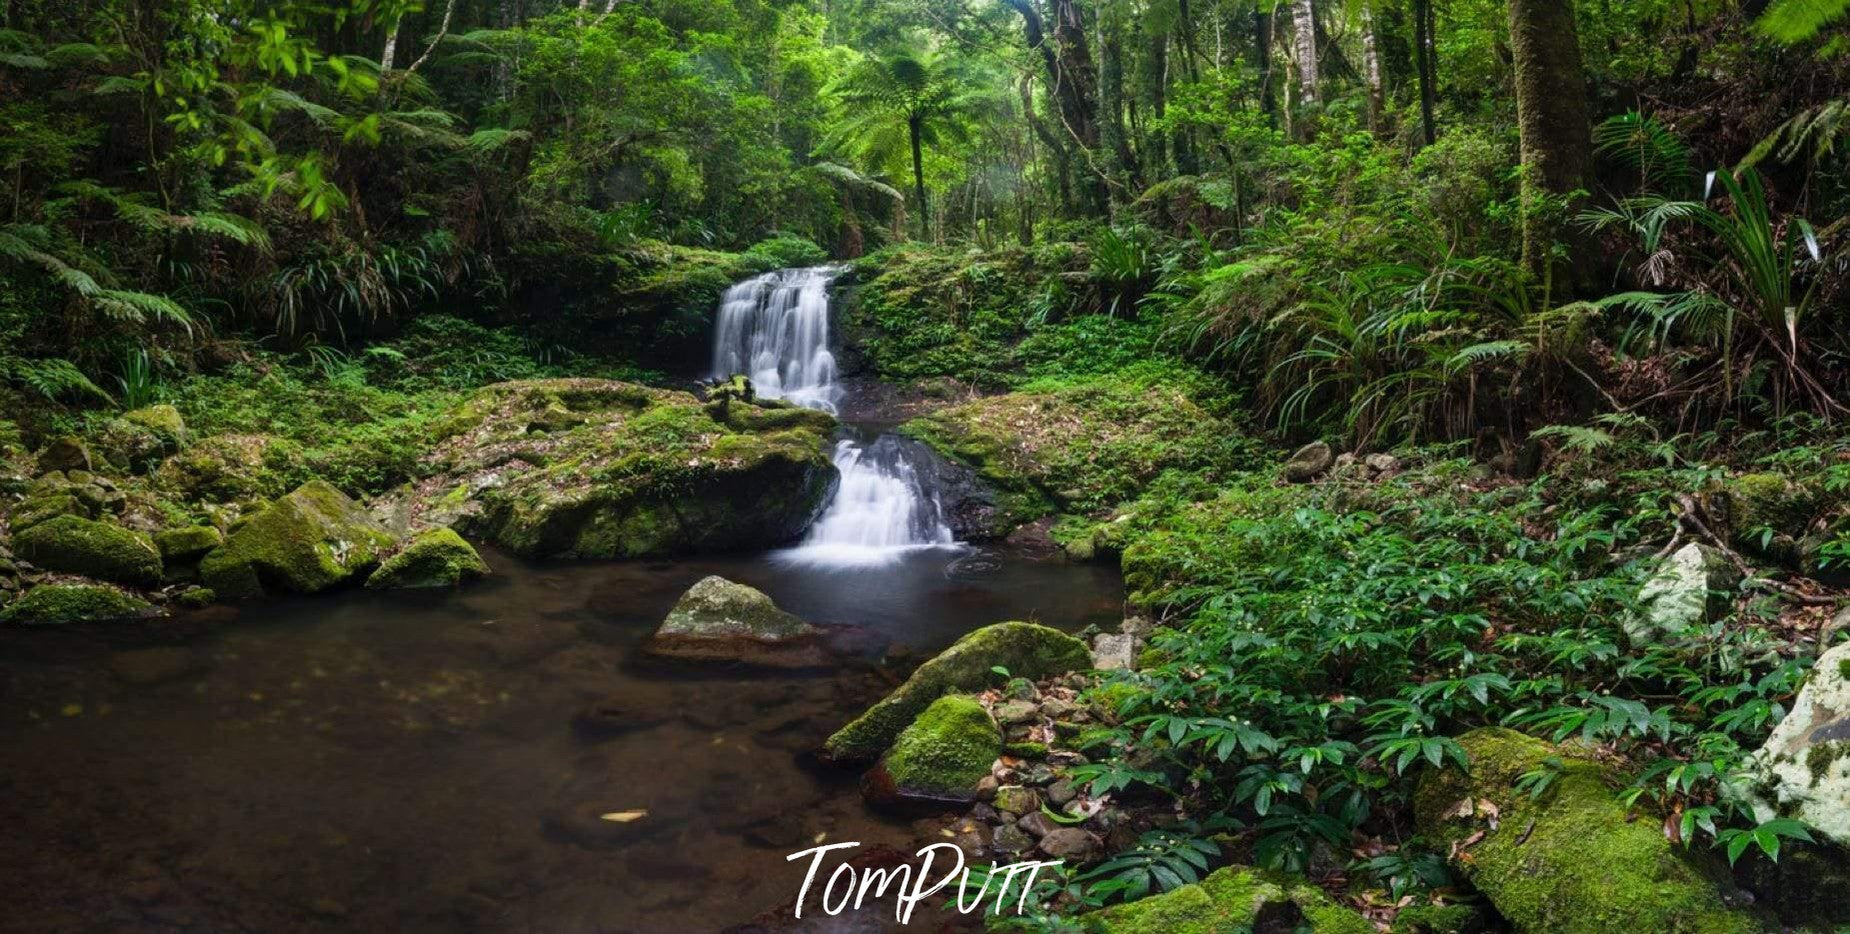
<point>818,838</point>
<point>72,710</point>
<point>623,817</point>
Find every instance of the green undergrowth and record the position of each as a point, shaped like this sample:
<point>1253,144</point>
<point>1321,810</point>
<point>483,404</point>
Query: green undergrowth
<point>1328,641</point>
<point>364,418</point>
<point>996,319</point>
<point>1087,443</point>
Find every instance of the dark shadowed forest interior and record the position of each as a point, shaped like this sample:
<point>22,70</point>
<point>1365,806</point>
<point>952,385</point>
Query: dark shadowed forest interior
<point>581,465</point>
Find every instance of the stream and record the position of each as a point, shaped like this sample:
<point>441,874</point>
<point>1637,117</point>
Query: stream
<point>410,761</point>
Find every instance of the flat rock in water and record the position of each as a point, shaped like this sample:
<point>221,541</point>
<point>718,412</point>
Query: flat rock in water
<point>722,621</point>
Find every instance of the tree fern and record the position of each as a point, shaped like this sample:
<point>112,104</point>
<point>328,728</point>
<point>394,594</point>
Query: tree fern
<point>1798,20</point>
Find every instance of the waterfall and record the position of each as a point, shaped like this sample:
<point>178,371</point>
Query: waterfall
<point>775,329</point>
<point>881,510</point>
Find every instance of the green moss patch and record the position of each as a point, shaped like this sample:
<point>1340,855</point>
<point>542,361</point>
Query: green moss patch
<point>309,541</point>
<point>94,549</point>
<point>1082,446</point>
<point>437,558</point>
<point>945,752</point>
<point>60,604</point>
<point>1573,860</point>
<point>1228,900</point>
<point>600,468</point>
<point>1026,649</point>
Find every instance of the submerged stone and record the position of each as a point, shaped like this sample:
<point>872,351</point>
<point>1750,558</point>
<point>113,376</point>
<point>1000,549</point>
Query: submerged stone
<point>1573,859</point>
<point>59,604</point>
<point>1027,650</point>
<point>101,550</point>
<point>309,541</point>
<point>1235,898</point>
<point>437,558</point>
<point>940,757</point>
<point>719,620</point>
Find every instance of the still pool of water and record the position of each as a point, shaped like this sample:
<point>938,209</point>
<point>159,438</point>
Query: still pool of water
<point>407,762</point>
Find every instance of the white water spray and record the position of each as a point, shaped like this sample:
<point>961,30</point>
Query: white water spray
<point>775,330</point>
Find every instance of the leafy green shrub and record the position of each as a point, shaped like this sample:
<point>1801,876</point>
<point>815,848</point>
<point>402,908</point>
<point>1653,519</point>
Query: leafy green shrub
<point>785,250</point>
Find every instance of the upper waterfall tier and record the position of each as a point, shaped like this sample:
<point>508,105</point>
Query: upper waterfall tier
<point>775,329</point>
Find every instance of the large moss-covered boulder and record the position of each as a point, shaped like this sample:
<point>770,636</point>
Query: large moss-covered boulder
<point>719,620</point>
<point>1688,589</point>
<point>1027,650</point>
<point>1078,447</point>
<point>939,758</point>
<point>222,469</point>
<point>437,558</point>
<point>60,604</point>
<point>311,540</point>
<point>1804,767</point>
<point>1232,900</point>
<point>1574,859</point>
<point>605,469</point>
<point>76,545</point>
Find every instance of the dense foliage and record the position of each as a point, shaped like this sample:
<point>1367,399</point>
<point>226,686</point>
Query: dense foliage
<point>1160,226</point>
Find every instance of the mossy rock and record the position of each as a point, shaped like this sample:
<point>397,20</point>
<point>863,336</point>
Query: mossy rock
<point>1769,501</point>
<point>437,558</point>
<point>187,544</point>
<point>139,439</point>
<point>1027,650</point>
<point>941,757</point>
<point>724,621</point>
<point>1574,859</point>
<point>1080,447</point>
<point>76,545</point>
<point>41,506</point>
<point>1232,900</point>
<point>66,453</point>
<point>623,471</point>
<point>309,541</point>
<point>60,604</point>
<point>222,468</point>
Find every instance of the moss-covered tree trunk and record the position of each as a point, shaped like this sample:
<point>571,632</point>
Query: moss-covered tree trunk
<point>1551,112</point>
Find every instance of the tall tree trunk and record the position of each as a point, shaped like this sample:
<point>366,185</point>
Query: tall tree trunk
<point>1187,162</point>
<point>1552,117</point>
<point>1425,64</point>
<point>1371,69</point>
<point>1262,61</point>
<point>1073,84</point>
<point>1304,48</point>
<point>1122,165</point>
<point>915,127</point>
